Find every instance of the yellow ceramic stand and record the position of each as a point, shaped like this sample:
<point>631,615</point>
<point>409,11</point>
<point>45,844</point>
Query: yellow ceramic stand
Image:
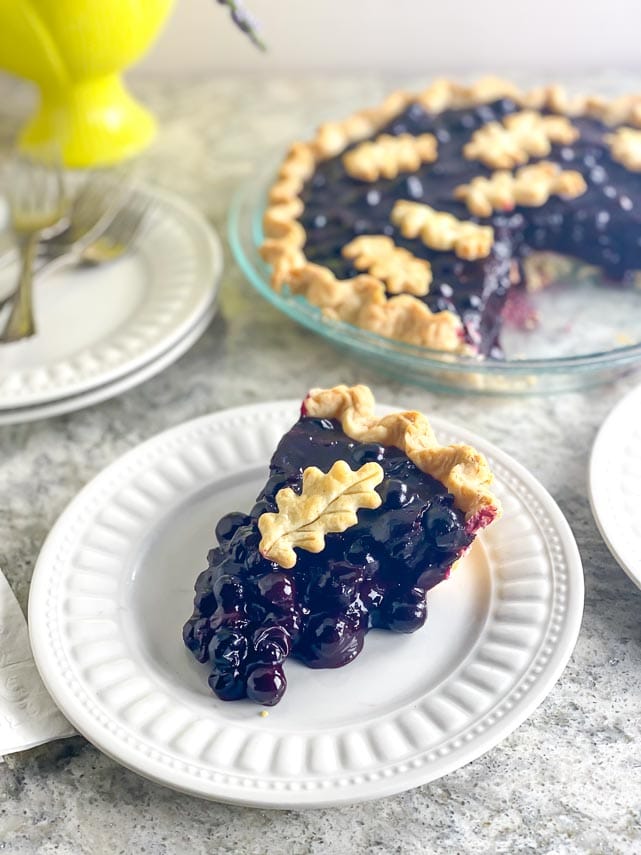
<point>74,50</point>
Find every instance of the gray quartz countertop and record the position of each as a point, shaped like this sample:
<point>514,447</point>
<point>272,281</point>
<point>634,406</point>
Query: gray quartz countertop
<point>567,781</point>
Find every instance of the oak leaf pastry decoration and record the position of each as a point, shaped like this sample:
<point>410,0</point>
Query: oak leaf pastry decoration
<point>530,186</point>
<point>327,503</point>
<point>442,231</point>
<point>625,147</point>
<point>401,271</point>
<point>386,156</point>
<point>510,143</point>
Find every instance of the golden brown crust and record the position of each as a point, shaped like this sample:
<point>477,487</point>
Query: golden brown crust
<point>441,231</point>
<point>625,147</point>
<point>510,143</point>
<point>463,470</point>
<point>444,94</point>
<point>530,186</point>
<point>402,272</point>
<point>387,156</point>
<point>362,301</point>
<point>285,237</point>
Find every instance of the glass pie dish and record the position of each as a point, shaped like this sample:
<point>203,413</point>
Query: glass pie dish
<point>587,330</point>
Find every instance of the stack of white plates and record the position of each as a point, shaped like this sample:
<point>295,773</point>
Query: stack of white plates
<point>103,330</point>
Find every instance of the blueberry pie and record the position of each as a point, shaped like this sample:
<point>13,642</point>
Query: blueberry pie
<point>427,219</point>
<point>359,518</point>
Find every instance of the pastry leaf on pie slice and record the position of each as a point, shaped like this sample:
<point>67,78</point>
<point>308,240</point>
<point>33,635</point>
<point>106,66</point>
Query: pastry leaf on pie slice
<point>327,503</point>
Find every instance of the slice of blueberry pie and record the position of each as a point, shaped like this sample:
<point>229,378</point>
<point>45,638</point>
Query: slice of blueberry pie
<point>428,218</point>
<point>359,518</point>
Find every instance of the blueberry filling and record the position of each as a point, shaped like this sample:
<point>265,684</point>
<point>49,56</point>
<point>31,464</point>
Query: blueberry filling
<point>600,227</point>
<point>250,614</point>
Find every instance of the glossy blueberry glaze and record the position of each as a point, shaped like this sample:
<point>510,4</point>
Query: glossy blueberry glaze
<point>250,614</point>
<point>601,227</point>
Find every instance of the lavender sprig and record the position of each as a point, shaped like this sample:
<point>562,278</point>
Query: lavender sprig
<point>244,21</point>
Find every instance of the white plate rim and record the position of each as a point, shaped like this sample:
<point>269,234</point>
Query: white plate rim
<point>610,435</point>
<point>534,690</point>
<point>117,387</point>
<point>208,284</point>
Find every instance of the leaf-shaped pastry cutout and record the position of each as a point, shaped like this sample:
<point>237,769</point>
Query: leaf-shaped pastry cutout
<point>327,503</point>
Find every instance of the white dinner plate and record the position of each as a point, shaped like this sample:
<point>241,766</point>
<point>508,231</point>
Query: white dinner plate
<point>116,387</point>
<point>615,483</point>
<point>95,325</point>
<point>113,586</point>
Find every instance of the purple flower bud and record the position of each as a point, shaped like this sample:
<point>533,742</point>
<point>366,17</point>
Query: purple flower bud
<point>244,21</point>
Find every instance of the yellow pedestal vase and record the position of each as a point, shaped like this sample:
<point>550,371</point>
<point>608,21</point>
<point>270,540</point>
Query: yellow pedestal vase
<point>74,51</point>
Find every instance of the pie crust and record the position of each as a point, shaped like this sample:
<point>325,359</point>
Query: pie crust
<point>529,186</point>
<point>387,155</point>
<point>463,470</point>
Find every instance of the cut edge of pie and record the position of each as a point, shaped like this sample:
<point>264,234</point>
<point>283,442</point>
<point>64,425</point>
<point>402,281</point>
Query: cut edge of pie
<point>362,300</point>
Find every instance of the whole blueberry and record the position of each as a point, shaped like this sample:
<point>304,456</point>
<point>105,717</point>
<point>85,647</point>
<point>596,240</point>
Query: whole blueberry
<point>197,634</point>
<point>406,612</point>
<point>229,592</point>
<point>395,493</point>
<point>205,603</point>
<point>361,553</point>
<point>277,589</point>
<point>229,685</point>
<point>338,584</point>
<point>266,685</point>
<point>230,620</point>
<point>367,453</point>
<point>329,642</point>
<point>371,595</point>
<point>290,621</point>
<point>271,645</point>
<point>204,580</point>
<point>442,524</point>
<point>228,648</point>
<point>229,525</point>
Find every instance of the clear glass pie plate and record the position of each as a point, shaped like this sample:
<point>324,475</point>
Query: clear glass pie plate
<point>588,331</point>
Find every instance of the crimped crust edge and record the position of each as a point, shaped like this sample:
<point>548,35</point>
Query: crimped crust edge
<point>462,469</point>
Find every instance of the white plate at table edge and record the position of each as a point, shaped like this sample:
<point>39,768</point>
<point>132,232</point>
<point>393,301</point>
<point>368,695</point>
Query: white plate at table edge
<point>203,293</point>
<point>117,387</point>
<point>557,603</point>
<point>609,466</point>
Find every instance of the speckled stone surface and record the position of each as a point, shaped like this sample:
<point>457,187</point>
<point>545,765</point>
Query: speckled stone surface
<point>567,781</point>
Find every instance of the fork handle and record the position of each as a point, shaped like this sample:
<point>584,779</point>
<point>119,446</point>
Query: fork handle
<point>21,322</point>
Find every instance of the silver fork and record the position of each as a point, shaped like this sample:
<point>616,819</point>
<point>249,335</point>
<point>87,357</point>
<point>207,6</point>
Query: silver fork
<point>118,238</point>
<point>37,203</point>
<point>121,233</point>
<point>91,209</point>
<point>101,195</point>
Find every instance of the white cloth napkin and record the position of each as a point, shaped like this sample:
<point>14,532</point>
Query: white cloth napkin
<point>28,716</point>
